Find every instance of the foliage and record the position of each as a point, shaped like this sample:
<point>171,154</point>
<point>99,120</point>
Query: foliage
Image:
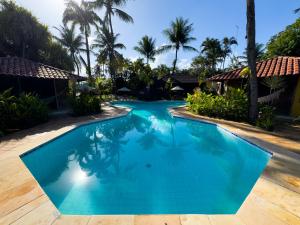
<point>85,104</point>
<point>84,16</point>
<point>285,43</point>
<point>72,42</point>
<point>266,117</point>
<point>233,105</point>
<point>179,36</point>
<point>162,70</point>
<point>58,57</point>
<point>103,85</point>
<point>146,47</point>
<point>111,8</point>
<point>211,48</point>
<point>274,83</point>
<point>21,112</point>
<point>108,46</point>
<point>24,36</point>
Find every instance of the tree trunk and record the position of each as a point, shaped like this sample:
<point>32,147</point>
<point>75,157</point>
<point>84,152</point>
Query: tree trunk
<point>89,72</point>
<point>253,106</point>
<point>110,24</point>
<point>175,62</point>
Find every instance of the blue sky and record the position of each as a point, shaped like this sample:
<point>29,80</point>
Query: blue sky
<point>211,18</point>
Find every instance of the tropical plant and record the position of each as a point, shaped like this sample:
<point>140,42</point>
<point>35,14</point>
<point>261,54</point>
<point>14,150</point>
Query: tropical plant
<point>233,105</point>
<point>266,117</point>
<point>179,36</point>
<point>162,70</point>
<point>85,104</point>
<point>274,83</point>
<point>285,43</point>
<point>251,54</point>
<point>55,55</point>
<point>84,16</point>
<point>21,33</point>
<point>227,43</point>
<point>146,47</point>
<point>108,47</point>
<point>72,42</point>
<point>24,36</point>
<point>211,48</point>
<point>20,112</point>
<point>111,9</point>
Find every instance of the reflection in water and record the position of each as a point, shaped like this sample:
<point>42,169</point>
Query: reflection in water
<point>147,162</point>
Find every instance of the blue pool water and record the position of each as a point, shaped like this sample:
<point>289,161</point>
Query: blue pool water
<point>147,163</point>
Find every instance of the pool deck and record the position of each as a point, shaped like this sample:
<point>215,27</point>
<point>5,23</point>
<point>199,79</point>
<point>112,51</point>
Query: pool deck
<point>274,200</point>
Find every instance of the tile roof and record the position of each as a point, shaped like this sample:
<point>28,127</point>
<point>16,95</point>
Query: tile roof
<point>278,66</point>
<point>181,78</point>
<point>16,66</point>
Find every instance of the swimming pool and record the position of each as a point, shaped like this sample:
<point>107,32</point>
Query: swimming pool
<point>147,162</point>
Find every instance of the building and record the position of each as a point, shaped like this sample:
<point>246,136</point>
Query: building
<point>23,75</point>
<point>285,67</point>
<point>187,82</point>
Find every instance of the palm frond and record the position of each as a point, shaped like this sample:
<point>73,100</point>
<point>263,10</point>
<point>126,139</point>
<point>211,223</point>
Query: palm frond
<point>123,15</point>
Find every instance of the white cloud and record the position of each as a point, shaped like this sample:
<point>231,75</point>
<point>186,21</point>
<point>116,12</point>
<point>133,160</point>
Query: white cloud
<point>184,63</point>
<point>165,58</point>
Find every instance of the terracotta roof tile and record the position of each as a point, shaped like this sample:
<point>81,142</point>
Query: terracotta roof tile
<point>15,66</point>
<point>278,66</point>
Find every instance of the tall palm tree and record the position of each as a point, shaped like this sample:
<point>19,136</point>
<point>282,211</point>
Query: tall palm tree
<point>107,43</point>
<point>146,47</point>
<point>84,16</point>
<point>212,49</point>
<point>72,42</point>
<point>251,54</point>
<point>226,48</point>
<point>179,37</point>
<point>111,9</point>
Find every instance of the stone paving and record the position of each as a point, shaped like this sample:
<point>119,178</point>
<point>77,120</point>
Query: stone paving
<point>274,200</point>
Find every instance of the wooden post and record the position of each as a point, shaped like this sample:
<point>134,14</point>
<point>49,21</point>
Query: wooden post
<point>55,92</point>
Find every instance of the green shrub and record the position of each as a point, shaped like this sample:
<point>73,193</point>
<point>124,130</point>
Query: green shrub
<point>266,117</point>
<point>31,110</point>
<point>233,105</point>
<point>21,112</point>
<point>85,104</point>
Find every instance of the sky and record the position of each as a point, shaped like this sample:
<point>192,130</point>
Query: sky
<point>210,18</point>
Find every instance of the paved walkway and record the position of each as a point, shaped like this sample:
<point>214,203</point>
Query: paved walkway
<point>275,199</point>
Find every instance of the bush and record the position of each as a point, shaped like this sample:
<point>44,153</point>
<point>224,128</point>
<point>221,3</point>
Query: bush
<point>85,104</point>
<point>31,110</point>
<point>21,112</point>
<point>233,105</point>
<point>266,117</point>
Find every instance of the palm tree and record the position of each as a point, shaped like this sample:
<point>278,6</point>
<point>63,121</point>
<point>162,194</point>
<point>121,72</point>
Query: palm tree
<point>107,43</point>
<point>226,50</point>
<point>84,16</point>
<point>212,49</point>
<point>71,42</point>
<point>146,47</point>
<point>111,9</point>
<point>251,54</point>
<point>179,37</point>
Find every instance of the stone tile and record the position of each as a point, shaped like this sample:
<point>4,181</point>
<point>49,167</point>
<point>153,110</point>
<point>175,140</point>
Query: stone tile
<point>23,210</point>
<point>43,215</point>
<point>284,198</point>
<point>273,210</point>
<point>225,220</point>
<point>157,220</point>
<point>194,220</point>
<point>72,220</point>
<point>17,186</point>
<point>111,220</point>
